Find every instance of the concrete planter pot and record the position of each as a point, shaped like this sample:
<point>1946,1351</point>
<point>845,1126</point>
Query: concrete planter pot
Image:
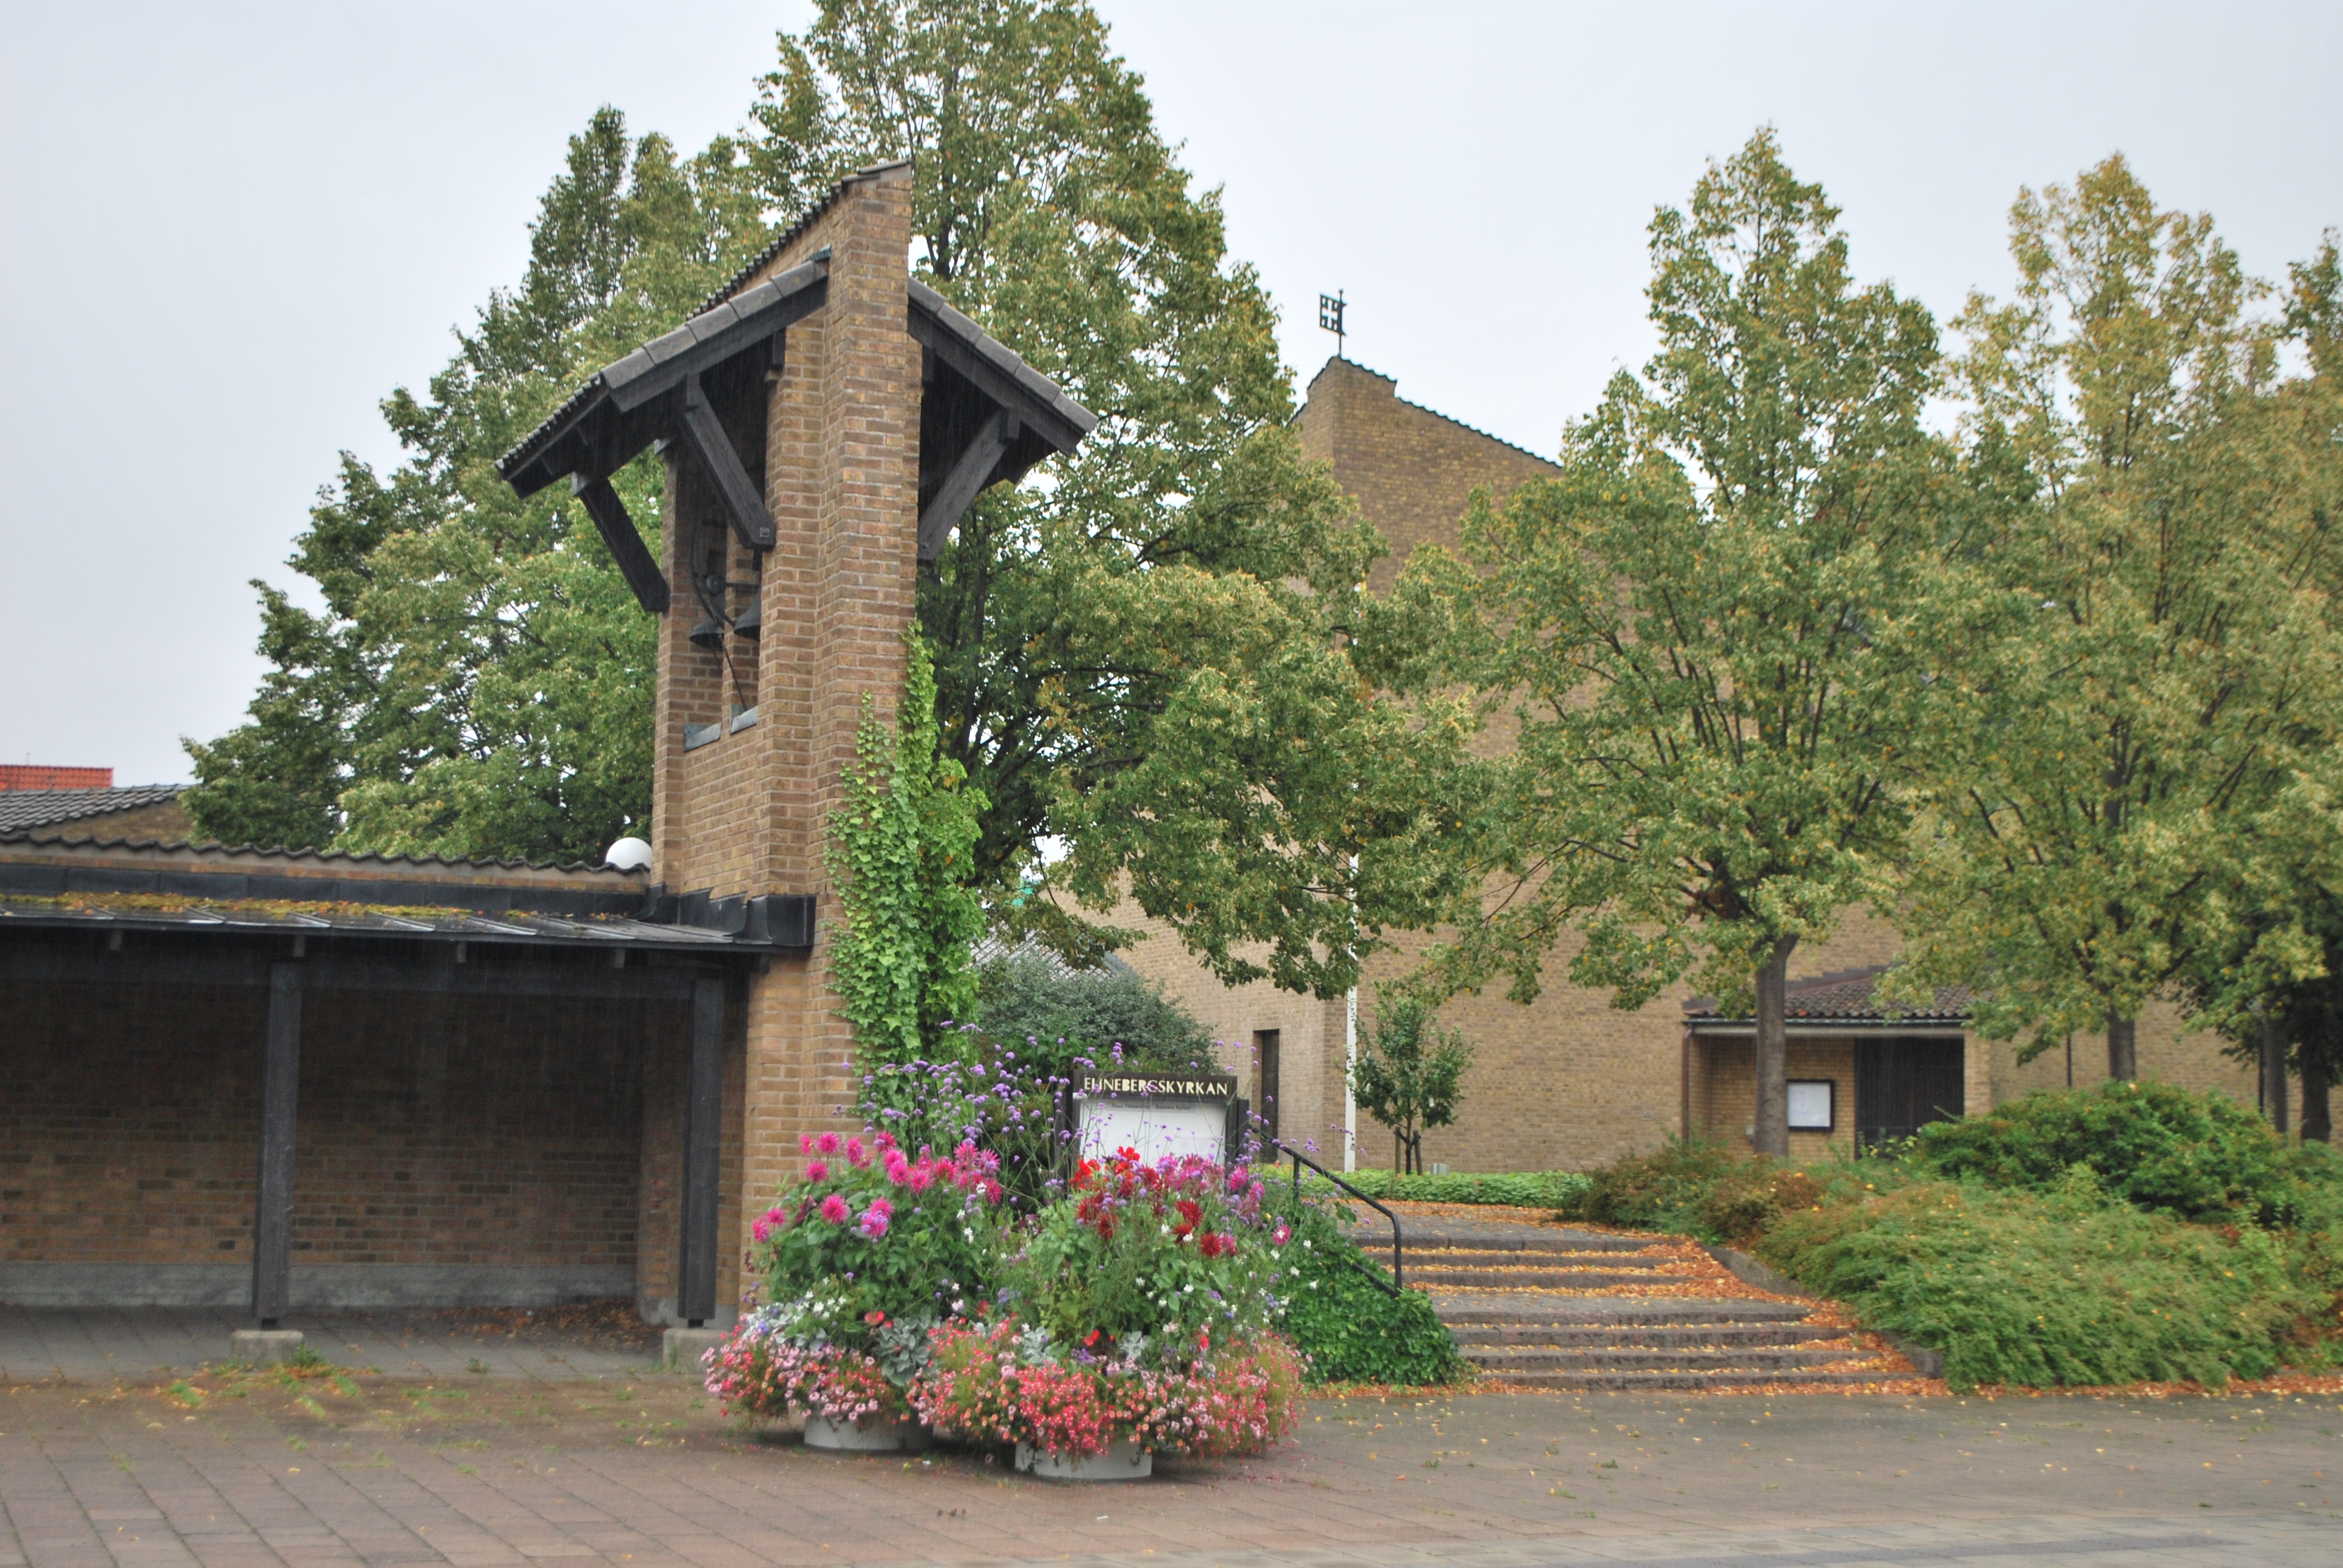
<point>1123,1460</point>
<point>892,1435</point>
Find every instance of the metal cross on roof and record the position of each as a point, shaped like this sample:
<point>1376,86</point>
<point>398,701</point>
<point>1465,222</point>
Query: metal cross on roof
<point>1329,317</point>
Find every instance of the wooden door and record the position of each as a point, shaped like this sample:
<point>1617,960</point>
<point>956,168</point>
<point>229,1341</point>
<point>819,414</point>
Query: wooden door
<point>1902,1084</point>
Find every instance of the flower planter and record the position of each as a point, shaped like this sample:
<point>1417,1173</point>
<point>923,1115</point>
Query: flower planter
<point>1122,1460</point>
<point>892,1434</point>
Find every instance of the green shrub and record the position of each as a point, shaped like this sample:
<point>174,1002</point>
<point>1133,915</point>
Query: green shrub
<point>1028,1004</point>
<point>2195,1156</point>
<point>1662,1190</point>
<point>1352,1328</point>
<point>2057,1287</point>
<point>1519,1189</point>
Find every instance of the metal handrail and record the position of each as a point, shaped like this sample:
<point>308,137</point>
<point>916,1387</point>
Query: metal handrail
<point>1397,1281</point>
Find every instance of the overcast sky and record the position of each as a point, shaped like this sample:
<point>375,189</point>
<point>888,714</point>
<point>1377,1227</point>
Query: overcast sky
<point>228,230</point>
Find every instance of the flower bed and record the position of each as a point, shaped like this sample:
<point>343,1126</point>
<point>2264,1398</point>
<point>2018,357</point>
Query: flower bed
<point>1139,1308</point>
<point>1006,1382</point>
<point>870,1251</point>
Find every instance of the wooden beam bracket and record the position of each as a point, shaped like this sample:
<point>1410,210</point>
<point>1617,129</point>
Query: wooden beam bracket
<point>743,507</point>
<point>625,541</point>
<point>970,474</point>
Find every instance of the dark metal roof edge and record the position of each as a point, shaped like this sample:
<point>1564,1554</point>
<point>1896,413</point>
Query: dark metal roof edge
<point>25,836</point>
<point>592,933</point>
<point>1002,357</point>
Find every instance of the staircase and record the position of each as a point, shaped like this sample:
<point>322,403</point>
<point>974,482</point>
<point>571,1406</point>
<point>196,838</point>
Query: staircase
<point>1539,1305</point>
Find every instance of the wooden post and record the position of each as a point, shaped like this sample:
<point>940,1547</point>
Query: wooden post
<point>703,1107</point>
<point>280,1083</point>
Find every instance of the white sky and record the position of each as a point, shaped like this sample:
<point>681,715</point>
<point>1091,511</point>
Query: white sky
<point>226,231</point>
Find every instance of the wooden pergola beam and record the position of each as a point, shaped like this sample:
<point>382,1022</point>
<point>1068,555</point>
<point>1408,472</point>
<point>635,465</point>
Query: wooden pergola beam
<point>703,1110</point>
<point>280,1083</point>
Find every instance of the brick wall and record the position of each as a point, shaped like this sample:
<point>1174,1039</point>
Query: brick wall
<point>432,1130</point>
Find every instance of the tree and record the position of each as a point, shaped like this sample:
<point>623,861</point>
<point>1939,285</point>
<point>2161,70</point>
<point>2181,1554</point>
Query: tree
<point>1715,632</point>
<point>1049,1013</point>
<point>1409,1075</point>
<point>2134,735</point>
<point>899,848</point>
<point>476,682</point>
<point>1144,658</point>
<point>1185,580</point>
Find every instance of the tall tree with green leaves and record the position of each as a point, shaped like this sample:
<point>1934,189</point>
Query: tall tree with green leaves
<point>1144,657</point>
<point>1142,654</point>
<point>475,683</point>
<point>2178,667</point>
<point>1715,633</point>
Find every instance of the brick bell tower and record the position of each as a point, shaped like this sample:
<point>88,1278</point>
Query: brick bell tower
<point>824,421</point>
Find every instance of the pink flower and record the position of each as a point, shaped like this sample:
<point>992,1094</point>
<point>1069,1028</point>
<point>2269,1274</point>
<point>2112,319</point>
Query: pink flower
<point>817,1170</point>
<point>770,1221</point>
<point>882,1206</point>
<point>834,1209</point>
<point>1282,1234</point>
<point>899,1168</point>
<point>855,1153</point>
<point>923,1176</point>
<point>1237,1178</point>
<point>805,1144</point>
<point>827,1144</point>
<point>993,1193</point>
<point>874,1223</point>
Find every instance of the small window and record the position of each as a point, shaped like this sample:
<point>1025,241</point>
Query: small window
<point>1811,1104</point>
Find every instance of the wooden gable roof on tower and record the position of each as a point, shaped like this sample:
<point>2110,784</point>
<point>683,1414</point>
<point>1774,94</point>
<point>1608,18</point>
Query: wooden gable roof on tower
<point>986,417</point>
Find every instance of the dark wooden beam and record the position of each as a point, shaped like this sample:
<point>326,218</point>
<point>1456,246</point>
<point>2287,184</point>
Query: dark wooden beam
<point>970,474</point>
<point>703,1111</point>
<point>626,544</point>
<point>218,960</point>
<point>280,1082</point>
<point>742,505</point>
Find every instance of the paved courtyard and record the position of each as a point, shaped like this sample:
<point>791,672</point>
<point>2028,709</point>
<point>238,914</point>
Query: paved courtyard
<point>595,1456</point>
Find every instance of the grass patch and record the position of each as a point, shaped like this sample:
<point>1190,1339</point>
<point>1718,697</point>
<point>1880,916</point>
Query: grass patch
<point>1519,1189</point>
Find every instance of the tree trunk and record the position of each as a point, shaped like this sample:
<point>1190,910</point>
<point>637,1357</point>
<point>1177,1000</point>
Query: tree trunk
<point>1772,1124</point>
<point>2123,1047</point>
<point>2273,1054</point>
<point>2315,1126</point>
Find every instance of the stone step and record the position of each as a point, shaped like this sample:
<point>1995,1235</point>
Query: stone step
<point>1414,1240</point>
<point>1527,1257</point>
<point>1639,1333</point>
<point>1458,1308</point>
<point>1440,1274</point>
<point>1780,1362</point>
<point>1624,1382</point>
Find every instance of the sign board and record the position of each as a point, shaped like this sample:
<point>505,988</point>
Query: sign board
<point>1156,1113</point>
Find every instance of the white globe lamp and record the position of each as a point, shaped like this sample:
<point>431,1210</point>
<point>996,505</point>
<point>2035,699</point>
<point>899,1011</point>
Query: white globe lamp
<point>629,855</point>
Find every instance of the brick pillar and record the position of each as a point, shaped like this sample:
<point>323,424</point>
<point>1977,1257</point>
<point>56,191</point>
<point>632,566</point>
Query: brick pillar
<point>747,813</point>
